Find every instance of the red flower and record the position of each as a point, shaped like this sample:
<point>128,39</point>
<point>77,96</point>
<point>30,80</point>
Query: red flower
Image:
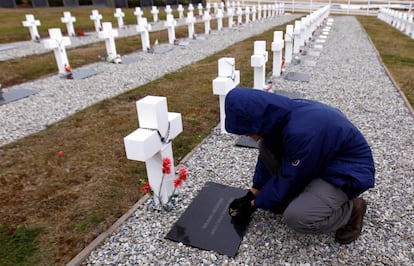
<point>182,174</point>
<point>68,68</point>
<point>146,188</point>
<point>60,153</point>
<point>166,165</point>
<point>177,182</point>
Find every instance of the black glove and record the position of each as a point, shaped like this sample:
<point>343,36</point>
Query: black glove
<point>241,209</point>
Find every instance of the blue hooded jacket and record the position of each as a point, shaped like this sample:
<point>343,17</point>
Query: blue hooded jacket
<point>310,139</point>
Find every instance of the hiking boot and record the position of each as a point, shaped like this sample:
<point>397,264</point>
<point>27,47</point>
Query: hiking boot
<point>351,231</point>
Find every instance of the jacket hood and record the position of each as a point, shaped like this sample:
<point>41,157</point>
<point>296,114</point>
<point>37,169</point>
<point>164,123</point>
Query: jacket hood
<point>251,111</point>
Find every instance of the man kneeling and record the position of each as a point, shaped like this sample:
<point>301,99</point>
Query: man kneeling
<point>313,163</point>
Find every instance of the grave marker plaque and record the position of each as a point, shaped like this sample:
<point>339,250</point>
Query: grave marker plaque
<point>296,76</point>
<point>7,3</point>
<point>206,223</point>
<point>14,95</point>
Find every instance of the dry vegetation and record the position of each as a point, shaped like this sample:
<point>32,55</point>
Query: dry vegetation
<point>65,202</point>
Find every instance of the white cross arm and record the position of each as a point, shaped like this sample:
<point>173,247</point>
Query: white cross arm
<point>258,60</point>
<point>222,85</point>
<point>142,144</point>
<point>52,43</point>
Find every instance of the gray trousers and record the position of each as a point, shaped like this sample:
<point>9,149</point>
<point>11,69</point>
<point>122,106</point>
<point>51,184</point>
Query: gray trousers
<point>321,208</point>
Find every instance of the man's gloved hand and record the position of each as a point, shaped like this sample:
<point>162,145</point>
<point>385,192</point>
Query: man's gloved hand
<point>241,209</point>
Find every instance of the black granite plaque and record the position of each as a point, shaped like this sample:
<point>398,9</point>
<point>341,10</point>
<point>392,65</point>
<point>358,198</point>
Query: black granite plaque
<point>130,59</point>
<point>206,223</point>
<point>84,73</point>
<point>246,141</point>
<point>40,3</point>
<point>14,95</point>
<point>7,3</point>
<point>71,3</point>
<point>296,76</point>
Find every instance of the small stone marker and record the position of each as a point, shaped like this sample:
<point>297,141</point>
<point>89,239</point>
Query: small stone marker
<point>170,24</point>
<point>143,27</point>
<point>180,10</point>
<point>152,142</point>
<point>96,18</point>
<point>109,34</point>
<point>58,44</point>
<point>190,20</point>
<point>288,41</point>
<point>206,224</point>
<point>69,20</point>
<point>119,15</point>
<point>228,78</point>
<point>206,19</point>
<point>258,62</point>
<point>32,24</point>
<point>296,76</point>
<point>138,13</point>
<point>154,12</point>
<point>277,46</point>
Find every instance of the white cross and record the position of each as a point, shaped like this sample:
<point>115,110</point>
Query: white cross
<point>219,16</point>
<point>247,13</point>
<point>297,37</point>
<point>120,17</point>
<point>228,78</point>
<point>170,24</point>
<point>277,46</point>
<point>258,62</point>
<point>143,27</point>
<point>152,142</point>
<point>190,20</point>
<point>259,12</point>
<point>230,14</point>
<point>168,10</point>
<point>288,41</point>
<point>154,12</point>
<point>138,13</point>
<point>58,43</point>
<point>180,10</point>
<point>190,9</point>
<point>206,19</point>
<point>254,12</point>
<point>239,13</point>
<point>109,35</point>
<point>200,9</point>
<point>208,7</point>
<point>68,20</point>
<point>264,8</point>
<point>96,18</point>
<point>215,7</point>
<point>32,24</point>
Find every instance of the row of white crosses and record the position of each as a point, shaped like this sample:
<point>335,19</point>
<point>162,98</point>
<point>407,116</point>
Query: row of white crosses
<point>402,21</point>
<point>305,27</point>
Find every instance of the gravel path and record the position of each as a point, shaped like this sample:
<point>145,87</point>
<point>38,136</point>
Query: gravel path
<point>57,98</point>
<point>348,75</point>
